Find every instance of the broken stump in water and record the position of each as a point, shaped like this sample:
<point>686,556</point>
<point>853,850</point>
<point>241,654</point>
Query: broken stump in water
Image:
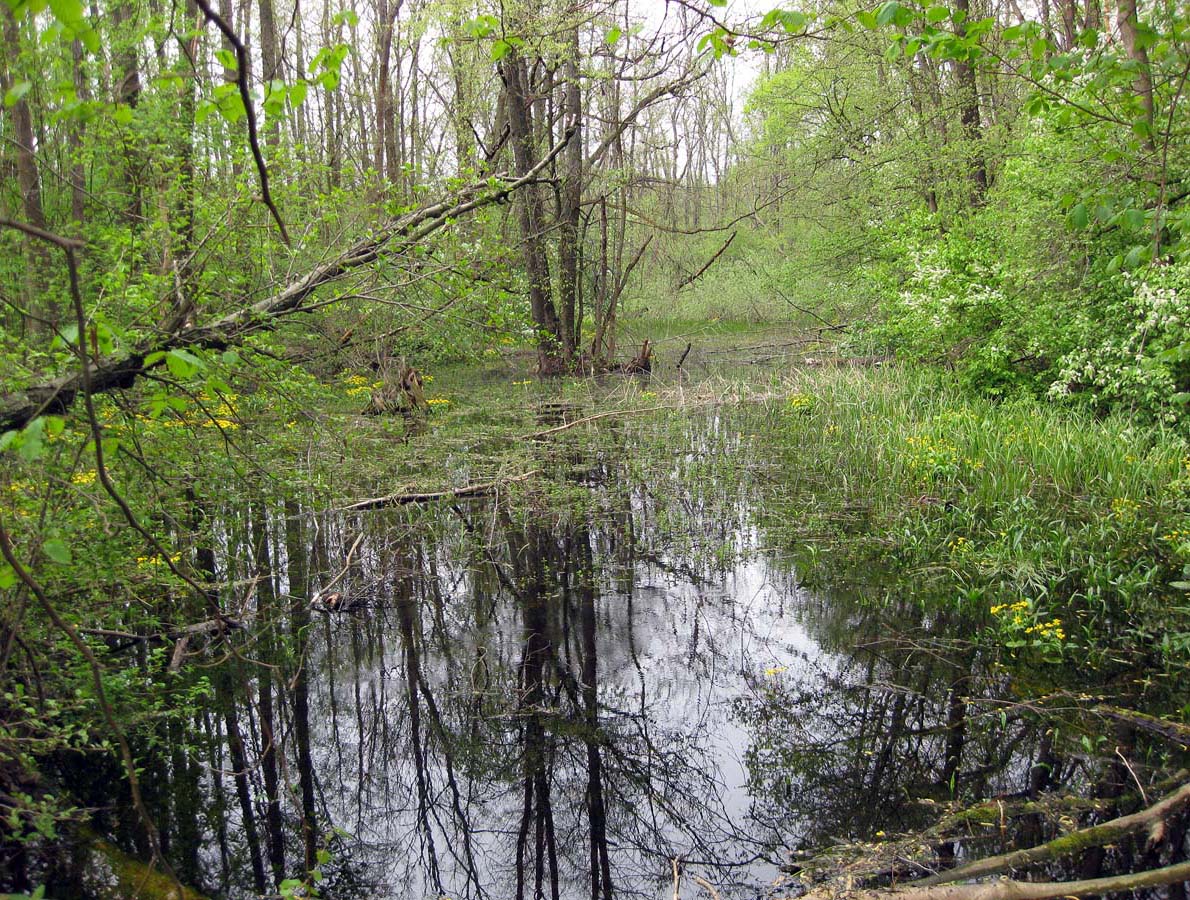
<point>404,394</point>
<point>642,363</point>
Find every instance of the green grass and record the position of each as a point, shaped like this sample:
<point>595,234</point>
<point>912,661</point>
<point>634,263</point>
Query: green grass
<point>989,505</point>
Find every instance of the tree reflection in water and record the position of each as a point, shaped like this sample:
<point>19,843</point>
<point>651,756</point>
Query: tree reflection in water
<point>521,726</point>
<point>558,697</point>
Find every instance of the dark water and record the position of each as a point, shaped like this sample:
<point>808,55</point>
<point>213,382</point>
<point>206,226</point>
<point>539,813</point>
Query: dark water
<point>557,691</point>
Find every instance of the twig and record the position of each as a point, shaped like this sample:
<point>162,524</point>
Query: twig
<point>677,879</point>
<point>1127,765</point>
<point>707,886</point>
<point>33,231</point>
<point>685,353</point>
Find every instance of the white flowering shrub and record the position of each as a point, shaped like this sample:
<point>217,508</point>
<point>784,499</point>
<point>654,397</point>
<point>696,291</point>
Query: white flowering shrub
<point>1133,354</point>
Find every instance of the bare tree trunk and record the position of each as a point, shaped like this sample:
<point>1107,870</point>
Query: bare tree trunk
<point>28,180</point>
<point>78,173</point>
<point>127,91</point>
<point>541,303</point>
<point>969,111</point>
<point>571,200</point>
<point>1126,20</point>
<point>384,109</point>
<point>1069,13</point>
<point>270,57</point>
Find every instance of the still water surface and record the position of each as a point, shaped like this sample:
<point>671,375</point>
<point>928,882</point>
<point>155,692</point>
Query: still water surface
<point>559,690</point>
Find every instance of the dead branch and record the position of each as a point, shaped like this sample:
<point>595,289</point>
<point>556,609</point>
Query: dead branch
<point>208,626</point>
<point>346,565</point>
<point>1037,890</point>
<point>685,282</point>
<point>471,490</point>
<point>1171,731</point>
<point>594,418</point>
<point>1095,836</point>
<point>56,396</point>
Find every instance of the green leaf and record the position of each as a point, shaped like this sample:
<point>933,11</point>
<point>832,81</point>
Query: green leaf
<point>297,93</point>
<point>1079,217</point>
<point>70,13</point>
<point>500,49</point>
<point>232,108</point>
<point>203,111</point>
<point>936,14</point>
<point>227,58</point>
<point>612,36</point>
<point>1135,219</point>
<point>8,577</point>
<point>867,19</point>
<point>14,94</point>
<point>56,550</point>
<point>482,26</point>
<point>275,93</point>
<point>183,364</point>
<point>717,2</point>
<point>887,12</point>
<point>1137,256</point>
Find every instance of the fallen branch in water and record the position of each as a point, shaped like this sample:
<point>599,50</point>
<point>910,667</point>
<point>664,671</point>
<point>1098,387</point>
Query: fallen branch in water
<point>1076,841</point>
<point>198,628</point>
<point>1037,890</point>
<point>594,418</point>
<point>471,490</point>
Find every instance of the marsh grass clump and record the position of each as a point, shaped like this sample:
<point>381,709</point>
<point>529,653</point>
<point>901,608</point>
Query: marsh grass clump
<point>993,505</point>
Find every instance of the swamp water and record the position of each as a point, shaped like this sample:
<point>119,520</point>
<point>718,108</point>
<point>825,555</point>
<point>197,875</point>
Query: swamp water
<point>560,687</point>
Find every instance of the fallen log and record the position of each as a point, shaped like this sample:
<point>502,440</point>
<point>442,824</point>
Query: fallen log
<point>1005,889</point>
<point>1067,844</point>
<point>57,395</point>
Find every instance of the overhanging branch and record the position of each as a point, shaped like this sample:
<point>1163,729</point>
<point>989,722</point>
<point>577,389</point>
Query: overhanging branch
<point>56,396</point>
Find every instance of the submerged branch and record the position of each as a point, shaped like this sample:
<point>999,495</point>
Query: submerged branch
<point>471,490</point>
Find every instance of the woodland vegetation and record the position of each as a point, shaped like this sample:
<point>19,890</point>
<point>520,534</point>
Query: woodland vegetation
<point>230,229</point>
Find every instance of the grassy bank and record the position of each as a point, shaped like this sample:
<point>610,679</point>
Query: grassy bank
<point>1069,537</point>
